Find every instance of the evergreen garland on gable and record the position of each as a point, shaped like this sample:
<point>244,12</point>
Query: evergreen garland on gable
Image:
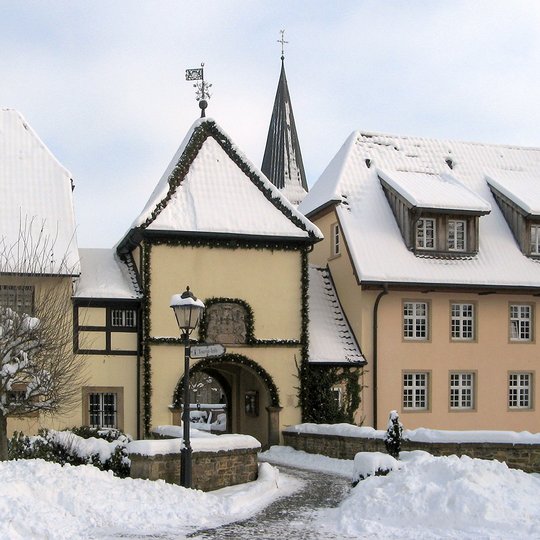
<point>200,134</point>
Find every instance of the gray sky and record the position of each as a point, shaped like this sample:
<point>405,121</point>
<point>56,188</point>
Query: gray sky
<point>102,82</point>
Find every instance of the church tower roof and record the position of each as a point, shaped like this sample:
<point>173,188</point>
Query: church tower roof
<point>282,162</point>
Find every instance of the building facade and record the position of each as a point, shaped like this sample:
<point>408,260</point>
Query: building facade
<point>432,246</point>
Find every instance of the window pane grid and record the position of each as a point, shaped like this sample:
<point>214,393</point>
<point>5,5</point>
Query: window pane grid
<point>519,390</point>
<point>462,321</point>
<point>123,317</point>
<point>415,320</point>
<point>18,298</point>
<point>461,390</point>
<point>535,239</point>
<point>457,229</point>
<point>415,390</point>
<point>425,233</point>
<point>335,239</point>
<point>102,410</point>
<point>520,322</point>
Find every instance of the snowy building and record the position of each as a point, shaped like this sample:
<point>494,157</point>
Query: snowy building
<point>215,223</point>
<point>434,250</point>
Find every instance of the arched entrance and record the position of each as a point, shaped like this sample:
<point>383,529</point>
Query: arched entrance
<point>251,396</point>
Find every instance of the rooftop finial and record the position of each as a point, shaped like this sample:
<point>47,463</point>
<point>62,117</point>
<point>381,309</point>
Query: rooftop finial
<point>202,87</point>
<point>282,41</point>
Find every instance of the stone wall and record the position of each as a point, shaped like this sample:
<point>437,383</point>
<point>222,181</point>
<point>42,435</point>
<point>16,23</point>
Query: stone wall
<point>516,456</point>
<point>211,470</point>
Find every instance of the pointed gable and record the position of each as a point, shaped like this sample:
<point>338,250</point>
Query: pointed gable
<point>211,188</point>
<point>282,161</point>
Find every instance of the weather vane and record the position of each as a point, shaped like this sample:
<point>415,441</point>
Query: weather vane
<point>282,41</point>
<point>202,87</point>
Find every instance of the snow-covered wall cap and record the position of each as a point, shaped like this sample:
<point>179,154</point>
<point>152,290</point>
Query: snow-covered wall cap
<point>521,188</point>
<point>218,443</point>
<point>211,187</point>
<point>36,194</point>
<point>104,275</point>
<point>331,340</point>
<point>420,434</point>
<point>434,191</point>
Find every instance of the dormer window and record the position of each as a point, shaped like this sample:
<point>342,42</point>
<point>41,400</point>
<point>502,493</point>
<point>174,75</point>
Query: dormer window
<point>457,235</point>
<point>437,215</point>
<point>517,195</point>
<point>535,239</point>
<point>426,230</point>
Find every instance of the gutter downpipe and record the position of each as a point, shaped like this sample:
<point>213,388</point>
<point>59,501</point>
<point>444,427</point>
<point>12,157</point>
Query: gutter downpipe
<point>375,328</point>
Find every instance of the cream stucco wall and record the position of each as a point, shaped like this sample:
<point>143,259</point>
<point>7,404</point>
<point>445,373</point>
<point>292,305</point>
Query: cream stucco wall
<point>269,281</point>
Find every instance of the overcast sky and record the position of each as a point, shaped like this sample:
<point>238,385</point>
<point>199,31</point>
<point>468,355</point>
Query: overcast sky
<point>102,82</point>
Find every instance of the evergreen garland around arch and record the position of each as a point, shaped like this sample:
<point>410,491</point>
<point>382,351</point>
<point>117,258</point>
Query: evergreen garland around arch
<point>230,358</point>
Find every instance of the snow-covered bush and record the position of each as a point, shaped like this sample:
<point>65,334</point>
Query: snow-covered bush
<point>372,464</point>
<point>105,449</point>
<point>394,435</point>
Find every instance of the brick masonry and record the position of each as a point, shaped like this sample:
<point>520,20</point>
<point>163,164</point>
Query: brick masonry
<point>516,456</point>
<point>211,470</point>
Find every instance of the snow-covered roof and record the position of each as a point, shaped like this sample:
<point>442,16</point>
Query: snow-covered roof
<point>376,245</point>
<point>434,191</point>
<point>105,276</point>
<point>36,195</point>
<point>211,187</point>
<point>522,188</point>
<point>331,340</point>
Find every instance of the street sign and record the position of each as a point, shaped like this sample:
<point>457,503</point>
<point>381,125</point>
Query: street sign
<point>207,351</point>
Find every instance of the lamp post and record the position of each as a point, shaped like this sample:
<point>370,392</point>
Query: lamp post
<point>187,310</point>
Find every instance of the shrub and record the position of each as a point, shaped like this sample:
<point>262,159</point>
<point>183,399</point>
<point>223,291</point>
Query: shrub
<point>394,435</point>
<point>104,449</point>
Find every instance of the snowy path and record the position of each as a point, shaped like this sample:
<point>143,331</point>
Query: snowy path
<point>290,517</point>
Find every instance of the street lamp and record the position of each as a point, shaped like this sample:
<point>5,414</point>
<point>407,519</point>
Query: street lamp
<point>187,310</point>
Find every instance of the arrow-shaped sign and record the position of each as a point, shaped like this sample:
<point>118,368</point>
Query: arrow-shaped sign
<point>207,351</point>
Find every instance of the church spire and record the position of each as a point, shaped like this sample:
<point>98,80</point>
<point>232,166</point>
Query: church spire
<point>282,162</point>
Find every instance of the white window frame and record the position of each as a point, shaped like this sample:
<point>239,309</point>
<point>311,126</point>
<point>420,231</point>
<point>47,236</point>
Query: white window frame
<point>426,233</point>
<point>19,298</point>
<point>336,239</point>
<point>462,387</point>
<point>415,323</point>
<point>520,390</point>
<point>462,321</point>
<point>535,239</point>
<point>456,238</point>
<point>521,322</point>
<point>123,318</point>
<point>105,411</point>
<point>415,391</point>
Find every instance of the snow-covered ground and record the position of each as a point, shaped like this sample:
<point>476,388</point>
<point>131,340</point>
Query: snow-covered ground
<point>41,500</point>
<point>429,498</point>
<point>426,498</point>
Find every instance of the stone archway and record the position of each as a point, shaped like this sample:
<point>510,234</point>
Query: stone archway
<point>253,402</point>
